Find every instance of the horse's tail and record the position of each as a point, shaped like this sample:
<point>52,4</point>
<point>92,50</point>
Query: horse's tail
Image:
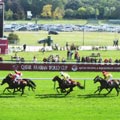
<point>118,81</point>
<point>33,83</point>
<point>30,83</point>
<point>80,86</point>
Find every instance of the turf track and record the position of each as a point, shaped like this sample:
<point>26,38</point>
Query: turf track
<point>46,104</point>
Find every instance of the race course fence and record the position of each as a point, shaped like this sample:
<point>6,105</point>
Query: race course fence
<point>84,79</point>
<point>52,78</point>
<point>61,66</point>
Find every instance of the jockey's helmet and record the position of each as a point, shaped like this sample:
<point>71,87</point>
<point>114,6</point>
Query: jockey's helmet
<point>61,73</point>
<point>17,72</point>
<point>10,74</point>
<point>104,72</point>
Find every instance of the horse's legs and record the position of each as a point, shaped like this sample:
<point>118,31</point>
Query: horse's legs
<point>97,89</point>
<point>117,89</point>
<point>4,90</point>
<point>109,91</point>
<point>13,90</point>
<point>63,90</point>
<point>31,89</point>
<point>22,91</point>
<point>18,89</point>
<point>30,86</point>
<point>71,89</point>
<point>100,90</point>
<point>7,88</point>
<point>57,89</point>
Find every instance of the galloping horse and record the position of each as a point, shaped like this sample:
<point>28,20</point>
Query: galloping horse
<point>63,85</point>
<point>107,85</point>
<point>20,87</point>
<point>32,84</point>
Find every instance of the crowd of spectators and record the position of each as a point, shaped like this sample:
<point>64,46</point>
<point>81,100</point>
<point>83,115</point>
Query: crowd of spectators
<point>52,58</point>
<point>17,58</point>
<point>1,59</point>
<point>72,55</point>
<point>34,59</point>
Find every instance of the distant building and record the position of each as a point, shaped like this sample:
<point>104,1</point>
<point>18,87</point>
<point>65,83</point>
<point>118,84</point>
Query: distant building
<point>29,15</point>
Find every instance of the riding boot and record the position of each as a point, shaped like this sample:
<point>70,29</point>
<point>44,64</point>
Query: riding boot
<point>18,82</point>
<point>110,82</point>
<point>14,81</point>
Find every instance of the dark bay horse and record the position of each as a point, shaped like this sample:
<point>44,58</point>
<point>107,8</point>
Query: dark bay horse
<point>63,85</point>
<point>30,84</point>
<point>107,85</point>
<point>17,87</point>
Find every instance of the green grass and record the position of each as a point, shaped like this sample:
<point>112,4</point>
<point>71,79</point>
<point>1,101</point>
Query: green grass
<point>90,38</point>
<point>50,21</point>
<point>45,104</point>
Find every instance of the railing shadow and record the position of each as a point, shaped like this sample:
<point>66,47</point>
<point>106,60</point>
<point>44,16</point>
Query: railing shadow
<point>88,96</point>
<point>7,95</point>
<point>50,96</point>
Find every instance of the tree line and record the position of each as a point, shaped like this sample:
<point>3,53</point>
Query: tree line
<point>62,9</point>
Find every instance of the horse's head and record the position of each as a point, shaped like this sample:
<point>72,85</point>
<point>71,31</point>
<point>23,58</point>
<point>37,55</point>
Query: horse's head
<point>97,79</point>
<point>56,78</point>
<point>3,81</point>
<point>6,80</point>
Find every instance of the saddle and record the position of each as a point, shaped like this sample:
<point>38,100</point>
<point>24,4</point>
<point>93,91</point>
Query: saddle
<point>113,81</point>
<point>70,81</point>
<point>110,82</point>
<point>19,81</point>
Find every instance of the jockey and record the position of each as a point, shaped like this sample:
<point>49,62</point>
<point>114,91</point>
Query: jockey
<point>65,77</point>
<point>107,76</point>
<point>12,76</point>
<point>18,76</point>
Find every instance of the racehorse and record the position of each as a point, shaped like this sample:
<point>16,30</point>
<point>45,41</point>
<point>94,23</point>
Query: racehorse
<point>32,84</point>
<point>107,85</point>
<point>15,86</point>
<point>63,85</point>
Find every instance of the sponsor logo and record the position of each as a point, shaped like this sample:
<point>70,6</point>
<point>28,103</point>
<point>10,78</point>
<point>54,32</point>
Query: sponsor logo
<point>74,68</point>
<point>15,67</point>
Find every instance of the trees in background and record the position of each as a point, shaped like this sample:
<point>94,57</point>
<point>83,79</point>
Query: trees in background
<point>58,9</point>
<point>13,38</point>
